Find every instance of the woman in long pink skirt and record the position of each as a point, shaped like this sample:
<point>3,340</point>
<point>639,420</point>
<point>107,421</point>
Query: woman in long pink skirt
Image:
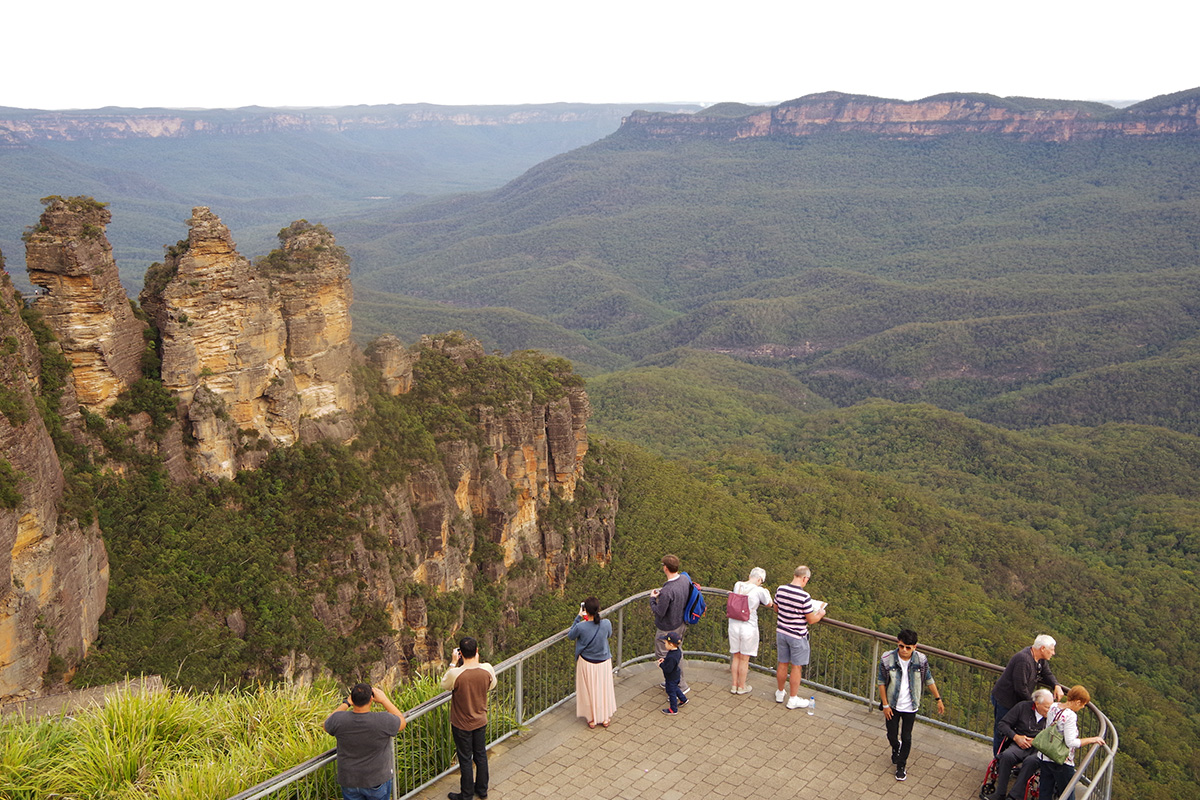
<point>595,699</point>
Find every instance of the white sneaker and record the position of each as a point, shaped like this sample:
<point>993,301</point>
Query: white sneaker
<point>733,690</point>
<point>797,702</point>
<point>745,689</point>
<point>780,695</point>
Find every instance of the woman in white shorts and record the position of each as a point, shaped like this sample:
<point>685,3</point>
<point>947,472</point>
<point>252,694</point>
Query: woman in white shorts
<point>743,636</point>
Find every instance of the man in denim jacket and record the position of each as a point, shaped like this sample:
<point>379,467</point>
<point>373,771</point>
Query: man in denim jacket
<point>901,674</point>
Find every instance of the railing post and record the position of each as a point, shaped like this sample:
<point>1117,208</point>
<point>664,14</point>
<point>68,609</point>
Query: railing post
<point>871,673</point>
<point>620,637</point>
<point>519,692</point>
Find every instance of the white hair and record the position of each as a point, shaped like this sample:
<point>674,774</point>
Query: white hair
<point>1043,696</point>
<point>758,572</point>
<point>1044,640</point>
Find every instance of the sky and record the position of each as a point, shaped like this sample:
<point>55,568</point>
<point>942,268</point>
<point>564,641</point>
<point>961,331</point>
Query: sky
<point>226,54</point>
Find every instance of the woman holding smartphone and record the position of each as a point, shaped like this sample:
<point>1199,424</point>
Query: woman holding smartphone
<point>595,698</point>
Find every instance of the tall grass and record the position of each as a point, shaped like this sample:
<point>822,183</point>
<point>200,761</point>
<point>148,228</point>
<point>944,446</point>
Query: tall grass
<point>175,745</point>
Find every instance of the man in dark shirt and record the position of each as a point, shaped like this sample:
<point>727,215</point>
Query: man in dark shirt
<point>1019,726</point>
<point>1024,672</point>
<point>365,769</point>
<point>668,605</point>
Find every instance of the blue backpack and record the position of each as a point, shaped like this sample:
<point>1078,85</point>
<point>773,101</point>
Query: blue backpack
<point>696,605</point>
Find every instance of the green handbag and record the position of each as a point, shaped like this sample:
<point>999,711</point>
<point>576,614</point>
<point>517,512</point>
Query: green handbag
<point>1050,742</point>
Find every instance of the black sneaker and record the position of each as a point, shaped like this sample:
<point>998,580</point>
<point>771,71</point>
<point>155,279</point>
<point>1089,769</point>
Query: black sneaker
<point>683,702</point>
<point>900,773</point>
<point>669,711</point>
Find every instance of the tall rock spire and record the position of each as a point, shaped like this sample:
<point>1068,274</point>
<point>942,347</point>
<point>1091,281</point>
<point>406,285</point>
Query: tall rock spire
<point>68,255</point>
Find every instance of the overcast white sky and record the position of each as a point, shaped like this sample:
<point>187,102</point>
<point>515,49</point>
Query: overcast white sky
<point>231,53</point>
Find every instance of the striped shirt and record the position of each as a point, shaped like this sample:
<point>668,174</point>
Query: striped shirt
<point>792,604</point>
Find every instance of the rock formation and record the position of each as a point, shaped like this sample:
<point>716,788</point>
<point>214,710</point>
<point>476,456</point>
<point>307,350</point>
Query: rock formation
<point>53,568</point>
<point>229,333</point>
<point>68,255</point>
<point>311,276</point>
<point>940,115</point>
<point>258,357</point>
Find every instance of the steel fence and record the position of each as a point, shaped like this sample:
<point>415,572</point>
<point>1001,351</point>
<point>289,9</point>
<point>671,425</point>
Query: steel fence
<point>542,678</point>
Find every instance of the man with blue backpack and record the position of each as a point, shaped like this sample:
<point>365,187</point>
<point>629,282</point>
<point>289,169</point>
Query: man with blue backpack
<point>671,606</point>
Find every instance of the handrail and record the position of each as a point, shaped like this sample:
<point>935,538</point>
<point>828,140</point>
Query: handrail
<point>830,671</point>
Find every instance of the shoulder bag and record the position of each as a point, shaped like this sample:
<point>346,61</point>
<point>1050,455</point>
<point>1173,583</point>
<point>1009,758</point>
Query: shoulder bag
<point>1050,742</point>
<point>737,606</point>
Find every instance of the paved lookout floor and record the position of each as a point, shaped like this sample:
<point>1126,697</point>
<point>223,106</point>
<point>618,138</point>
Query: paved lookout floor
<point>723,746</point>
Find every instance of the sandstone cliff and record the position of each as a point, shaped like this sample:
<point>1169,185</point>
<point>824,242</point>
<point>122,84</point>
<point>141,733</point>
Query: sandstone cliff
<point>53,568</point>
<point>485,504</point>
<point>23,127</point>
<point>940,115</point>
<point>68,255</point>
<point>229,333</point>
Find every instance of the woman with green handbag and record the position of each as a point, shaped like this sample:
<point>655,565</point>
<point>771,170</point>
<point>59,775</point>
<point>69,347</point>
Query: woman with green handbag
<point>1060,740</point>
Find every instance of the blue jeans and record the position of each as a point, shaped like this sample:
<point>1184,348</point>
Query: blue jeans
<point>1054,779</point>
<point>471,747</point>
<point>675,695</point>
<point>380,792</point>
<point>997,737</point>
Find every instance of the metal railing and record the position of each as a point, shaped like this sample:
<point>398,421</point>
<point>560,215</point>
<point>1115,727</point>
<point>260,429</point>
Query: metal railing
<point>539,679</point>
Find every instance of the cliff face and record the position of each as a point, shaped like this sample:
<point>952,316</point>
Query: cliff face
<point>29,127</point>
<point>495,493</point>
<point>53,569</point>
<point>68,255</point>
<point>834,112</point>
<point>229,331</point>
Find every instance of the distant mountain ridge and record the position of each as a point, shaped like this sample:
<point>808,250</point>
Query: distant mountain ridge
<point>939,115</point>
<point>25,126</point>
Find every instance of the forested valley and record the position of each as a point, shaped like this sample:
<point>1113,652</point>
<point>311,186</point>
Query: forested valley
<point>956,375</point>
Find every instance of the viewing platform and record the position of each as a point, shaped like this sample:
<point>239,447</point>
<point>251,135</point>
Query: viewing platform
<point>722,745</point>
<point>719,745</point>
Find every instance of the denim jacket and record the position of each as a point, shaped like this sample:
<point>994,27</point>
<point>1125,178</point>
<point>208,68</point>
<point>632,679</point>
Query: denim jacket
<point>889,675</point>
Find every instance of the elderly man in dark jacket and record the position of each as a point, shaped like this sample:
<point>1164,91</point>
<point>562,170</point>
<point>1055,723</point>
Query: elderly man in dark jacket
<point>1025,670</point>
<point>1018,727</point>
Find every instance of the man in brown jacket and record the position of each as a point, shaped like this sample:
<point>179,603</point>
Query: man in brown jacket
<point>470,682</point>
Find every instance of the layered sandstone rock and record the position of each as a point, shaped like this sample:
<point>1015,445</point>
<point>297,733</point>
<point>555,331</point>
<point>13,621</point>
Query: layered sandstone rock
<point>53,570</point>
<point>251,352</point>
<point>940,115</point>
<point>68,255</point>
<point>493,493</point>
<point>310,275</point>
<point>394,362</point>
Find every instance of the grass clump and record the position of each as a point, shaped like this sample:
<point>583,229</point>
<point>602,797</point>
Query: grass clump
<point>175,745</point>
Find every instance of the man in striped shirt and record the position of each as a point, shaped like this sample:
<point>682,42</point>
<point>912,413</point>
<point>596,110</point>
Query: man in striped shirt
<point>795,609</point>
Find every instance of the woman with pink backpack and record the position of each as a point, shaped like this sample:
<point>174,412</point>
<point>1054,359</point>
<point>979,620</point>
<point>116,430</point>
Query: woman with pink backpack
<point>742,609</point>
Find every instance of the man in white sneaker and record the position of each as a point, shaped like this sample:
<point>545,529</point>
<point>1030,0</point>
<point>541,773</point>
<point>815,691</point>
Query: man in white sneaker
<point>795,609</point>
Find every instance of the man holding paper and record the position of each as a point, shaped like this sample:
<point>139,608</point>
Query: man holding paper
<point>797,610</point>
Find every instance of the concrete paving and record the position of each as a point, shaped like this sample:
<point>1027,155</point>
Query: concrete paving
<point>724,746</point>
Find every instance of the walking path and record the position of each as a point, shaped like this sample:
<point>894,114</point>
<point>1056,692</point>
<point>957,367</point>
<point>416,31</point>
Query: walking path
<point>724,746</point>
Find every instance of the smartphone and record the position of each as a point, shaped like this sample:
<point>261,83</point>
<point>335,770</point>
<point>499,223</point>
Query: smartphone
<point>581,611</point>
